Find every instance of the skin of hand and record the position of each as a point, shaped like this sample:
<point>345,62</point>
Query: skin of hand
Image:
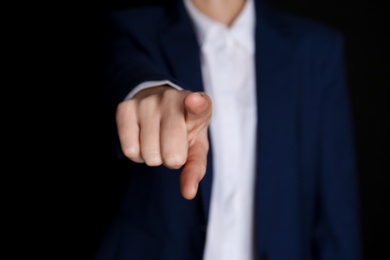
<point>163,125</point>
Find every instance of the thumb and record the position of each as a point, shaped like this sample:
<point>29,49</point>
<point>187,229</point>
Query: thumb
<point>198,108</point>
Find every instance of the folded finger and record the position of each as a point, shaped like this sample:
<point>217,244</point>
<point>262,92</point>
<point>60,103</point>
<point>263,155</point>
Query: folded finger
<point>150,135</point>
<point>173,139</point>
<point>128,131</point>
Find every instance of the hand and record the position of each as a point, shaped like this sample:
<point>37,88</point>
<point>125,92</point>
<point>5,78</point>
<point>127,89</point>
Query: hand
<point>163,125</point>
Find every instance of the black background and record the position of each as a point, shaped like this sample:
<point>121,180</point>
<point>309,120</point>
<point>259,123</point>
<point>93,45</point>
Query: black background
<point>78,137</point>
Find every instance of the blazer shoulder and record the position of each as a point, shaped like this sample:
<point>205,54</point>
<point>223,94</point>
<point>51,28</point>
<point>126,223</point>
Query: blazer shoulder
<point>138,18</point>
<point>298,26</point>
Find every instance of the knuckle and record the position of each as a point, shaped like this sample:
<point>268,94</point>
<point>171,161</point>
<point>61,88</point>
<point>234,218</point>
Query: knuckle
<point>125,110</point>
<point>171,100</point>
<point>124,106</point>
<point>132,153</point>
<point>174,161</point>
<point>169,92</point>
<point>153,160</point>
<point>147,102</point>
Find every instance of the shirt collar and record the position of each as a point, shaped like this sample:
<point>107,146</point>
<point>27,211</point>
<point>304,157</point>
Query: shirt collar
<point>242,29</point>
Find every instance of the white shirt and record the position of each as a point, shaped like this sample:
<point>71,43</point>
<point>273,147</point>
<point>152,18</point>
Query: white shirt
<point>228,67</point>
<point>228,71</point>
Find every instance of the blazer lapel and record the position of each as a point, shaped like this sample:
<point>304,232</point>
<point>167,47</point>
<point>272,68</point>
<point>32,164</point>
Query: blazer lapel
<point>183,54</point>
<point>276,110</point>
<point>181,46</point>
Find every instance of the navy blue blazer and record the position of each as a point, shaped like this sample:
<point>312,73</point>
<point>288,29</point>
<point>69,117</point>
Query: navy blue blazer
<point>306,198</point>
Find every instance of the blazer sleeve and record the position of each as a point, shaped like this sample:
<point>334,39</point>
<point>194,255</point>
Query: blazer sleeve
<point>129,61</point>
<point>132,58</point>
<point>337,234</point>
